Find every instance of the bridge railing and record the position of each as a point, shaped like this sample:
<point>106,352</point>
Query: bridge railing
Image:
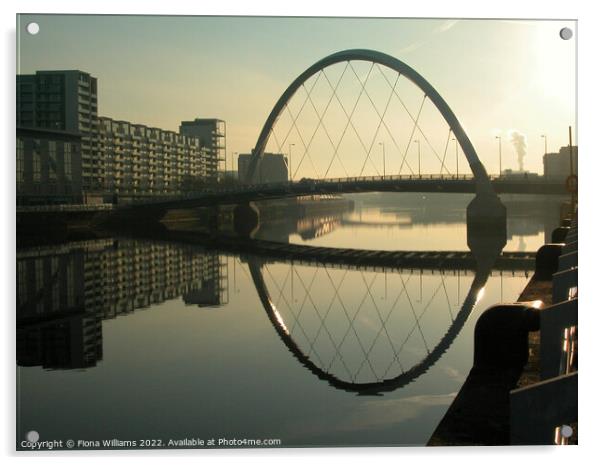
<point>361,179</point>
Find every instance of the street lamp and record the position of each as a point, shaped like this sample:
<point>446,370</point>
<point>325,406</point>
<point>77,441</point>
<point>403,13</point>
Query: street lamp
<point>545,143</point>
<point>290,161</point>
<point>500,150</point>
<point>417,141</point>
<point>384,170</point>
<point>233,157</point>
<point>457,168</point>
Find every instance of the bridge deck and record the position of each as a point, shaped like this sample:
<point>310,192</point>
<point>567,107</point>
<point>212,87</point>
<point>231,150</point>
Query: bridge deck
<point>425,183</point>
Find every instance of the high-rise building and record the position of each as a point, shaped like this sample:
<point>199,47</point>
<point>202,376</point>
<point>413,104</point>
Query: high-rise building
<point>273,167</point>
<point>63,101</point>
<point>212,134</point>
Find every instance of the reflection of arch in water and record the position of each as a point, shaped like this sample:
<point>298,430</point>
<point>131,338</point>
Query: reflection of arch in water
<point>371,388</point>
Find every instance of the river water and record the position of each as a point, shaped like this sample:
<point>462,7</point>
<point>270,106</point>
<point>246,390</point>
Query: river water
<point>140,339</point>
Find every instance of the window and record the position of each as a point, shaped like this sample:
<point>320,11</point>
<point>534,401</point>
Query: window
<point>22,281</point>
<point>39,271</point>
<point>54,265</point>
<point>20,162</point>
<point>52,160</point>
<point>37,161</point>
<point>70,284</point>
<point>67,160</point>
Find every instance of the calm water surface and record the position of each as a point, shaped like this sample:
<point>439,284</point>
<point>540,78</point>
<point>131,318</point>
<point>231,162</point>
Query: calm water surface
<point>137,339</point>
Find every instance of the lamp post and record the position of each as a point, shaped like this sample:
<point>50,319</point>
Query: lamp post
<point>233,157</point>
<point>417,141</point>
<point>457,166</point>
<point>545,143</point>
<point>545,151</point>
<point>384,168</point>
<point>290,161</point>
<point>500,151</point>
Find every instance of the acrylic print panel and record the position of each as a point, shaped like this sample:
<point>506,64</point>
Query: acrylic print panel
<point>261,232</point>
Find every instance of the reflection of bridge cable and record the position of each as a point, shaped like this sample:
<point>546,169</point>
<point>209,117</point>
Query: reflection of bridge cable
<point>322,321</point>
<point>383,326</point>
<point>383,385</point>
<point>382,322</point>
<point>416,319</point>
<point>326,364</point>
<point>352,326</point>
<point>312,343</point>
<point>446,296</point>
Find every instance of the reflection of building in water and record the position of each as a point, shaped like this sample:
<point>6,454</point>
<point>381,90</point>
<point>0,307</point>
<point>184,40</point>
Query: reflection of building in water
<point>64,293</point>
<point>312,227</point>
<point>54,327</point>
<point>137,274</point>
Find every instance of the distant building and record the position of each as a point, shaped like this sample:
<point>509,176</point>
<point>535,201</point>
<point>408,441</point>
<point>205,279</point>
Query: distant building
<point>212,134</point>
<point>518,174</point>
<point>273,167</point>
<point>557,166</point>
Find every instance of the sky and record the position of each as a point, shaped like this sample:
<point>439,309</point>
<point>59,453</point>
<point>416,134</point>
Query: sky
<point>500,77</point>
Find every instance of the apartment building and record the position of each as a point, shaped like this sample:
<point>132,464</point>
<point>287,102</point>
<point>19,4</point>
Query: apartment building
<point>49,166</point>
<point>63,101</point>
<point>212,134</point>
<point>140,160</point>
<point>110,158</point>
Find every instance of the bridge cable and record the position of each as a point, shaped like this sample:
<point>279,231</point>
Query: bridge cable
<point>364,91</point>
<point>411,137</point>
<point>445,152</point>
<point>349,121</point>
<point>380,123</point>
<point>321,118</point>
<point>294,120</point>
<point>304,146</point>
<point>417,126</point>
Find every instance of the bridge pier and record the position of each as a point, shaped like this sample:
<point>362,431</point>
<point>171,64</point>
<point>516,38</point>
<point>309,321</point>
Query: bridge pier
<point>486,228</point>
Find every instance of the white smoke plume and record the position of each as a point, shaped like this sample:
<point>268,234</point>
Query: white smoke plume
<point>520,145</point>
